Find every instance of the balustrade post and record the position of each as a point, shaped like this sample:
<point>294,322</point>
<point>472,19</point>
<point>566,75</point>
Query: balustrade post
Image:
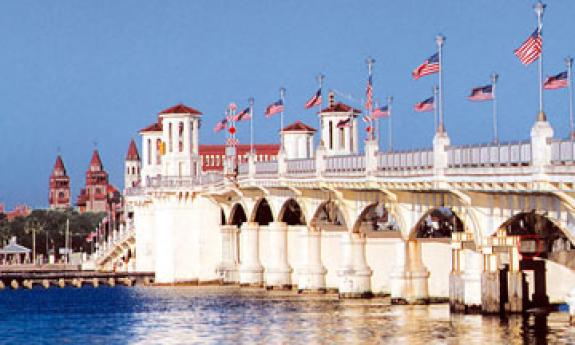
<point>541,136</point>
<point>282,164</point>
<point>440,144</point>
<point>371,150</point>
<point>251,165</point>
<point>320,164</point>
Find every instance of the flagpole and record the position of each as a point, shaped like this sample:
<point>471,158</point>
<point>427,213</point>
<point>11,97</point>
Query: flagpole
<point>440,40</point>
<point>569,63</point>
<point>389,128</point>
<point>369,106</point>
<point>539,8</point>
<point>282,97</point>
<point>435,92</point>
<point>494,78</point>
<point>251,102</point>
<point>320,77</point>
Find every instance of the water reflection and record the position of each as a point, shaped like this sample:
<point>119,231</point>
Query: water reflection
<point>230,315</point>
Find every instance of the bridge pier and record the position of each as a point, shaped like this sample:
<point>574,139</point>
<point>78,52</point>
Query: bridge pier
<point>409,277</point>
<point>354,273</point>
<point>311,275</point>
<point>228,267</point>
<point>251,270</point>
<point>277,275</point>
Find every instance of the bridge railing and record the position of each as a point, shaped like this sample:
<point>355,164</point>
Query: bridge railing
<point>510,154</point>
<point>185,181</point>
<point>405,160</point>
<point>301,166</point>
<point>345,165</point>
<point>243,168</point>
<point>266,168</point>
<point>563,152</point>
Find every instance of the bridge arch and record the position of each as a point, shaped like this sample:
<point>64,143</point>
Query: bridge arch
<point>262,212</point>
<point>377,216</point>
<point>329,216</point>
<point>237,215</point>
<point>292,213</point>
<point>438,222</point>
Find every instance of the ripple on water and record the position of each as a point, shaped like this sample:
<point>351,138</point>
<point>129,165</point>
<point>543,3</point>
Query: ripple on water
<point>228,315</point>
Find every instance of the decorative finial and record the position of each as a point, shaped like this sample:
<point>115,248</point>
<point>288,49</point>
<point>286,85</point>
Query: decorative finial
<point>251,101</point>
<point>539,8</point>
<point>440,40</point>
<point>569,61</point>
<point>369,61</point>
<point>494,77</point>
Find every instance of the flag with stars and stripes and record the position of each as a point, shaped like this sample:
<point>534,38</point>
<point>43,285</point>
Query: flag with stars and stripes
<point>274,108</point>
<point>423,106</point>
<point>221,125</point>
<point>557,81</point>
<point>242,115</point>
<point>369,94</point>
<point>482,93</point>
<point>531,49</point>
<point>430,66</point>
<point>380,112</point>
<point>314,100</point>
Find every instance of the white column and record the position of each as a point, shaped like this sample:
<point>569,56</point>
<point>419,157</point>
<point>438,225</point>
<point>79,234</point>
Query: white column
<point>186,138</point>
<point>251,270</point>
<point>354,273</point>
<point>409,276</point>
<point>195,136</point>
<point>228,267</point>
<point>311,273</point>
<point>277,274</point>
<point>472,280</point>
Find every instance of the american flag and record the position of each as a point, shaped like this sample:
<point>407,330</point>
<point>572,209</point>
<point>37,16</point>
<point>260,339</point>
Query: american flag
<point>243,115</point>
<point>423,106</point>
<point>369,94</point>
<point>314,100</point>
<point>344,123</point>
<point>221,125</point>
<point>274,108</point>
<point>557,81</point>
<point>430,66</point>
<point>380,112</point>
<point>482,93</point>
<point>530,50</point>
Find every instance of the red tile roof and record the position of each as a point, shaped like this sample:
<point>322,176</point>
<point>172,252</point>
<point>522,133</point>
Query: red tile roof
<point>59,165</point>
<point>180,109</point>
<point>154,127</point>
<point>133,154</point>
<point>340,108</point>
<point>298,126</point>
<point>96,161</point>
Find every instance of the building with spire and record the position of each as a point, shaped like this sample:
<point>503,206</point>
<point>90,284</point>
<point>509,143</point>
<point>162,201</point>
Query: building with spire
<point>98,195</point>
<point>59,196</point>
<point>132,166</point>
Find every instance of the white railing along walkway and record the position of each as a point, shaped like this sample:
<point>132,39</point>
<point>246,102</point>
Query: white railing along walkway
<point>563,152</point>
<point>511,154</point>
<point>405,160</point>
<point>344,165</point>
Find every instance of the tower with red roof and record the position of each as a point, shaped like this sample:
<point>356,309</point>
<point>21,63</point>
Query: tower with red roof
<point>132,166</point>
<point>94,197</point>
<point>59,196</point>
<point>339,132</point>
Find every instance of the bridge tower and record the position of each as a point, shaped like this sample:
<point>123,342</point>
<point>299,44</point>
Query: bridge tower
<point>297,140</point>
<point>132,166</point>
<point>339,132</point>
<point>59,186</point>
<point>181,125</point>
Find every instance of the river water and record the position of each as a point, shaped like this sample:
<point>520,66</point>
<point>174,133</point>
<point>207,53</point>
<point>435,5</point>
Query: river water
<point>189,315</point>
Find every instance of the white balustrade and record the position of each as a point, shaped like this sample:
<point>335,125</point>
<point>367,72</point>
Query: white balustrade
<point>345,165</point>
<point>511,154</point>
<point>243,169</point>
<point>301,166</point>
<point>407,160</point>
<point>266,168</point>
<point>563,152</point>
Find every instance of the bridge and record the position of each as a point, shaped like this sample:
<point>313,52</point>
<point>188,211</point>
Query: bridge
<point>491,227</point>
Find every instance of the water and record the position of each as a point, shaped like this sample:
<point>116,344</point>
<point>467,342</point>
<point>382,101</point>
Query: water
<point>229,315</point>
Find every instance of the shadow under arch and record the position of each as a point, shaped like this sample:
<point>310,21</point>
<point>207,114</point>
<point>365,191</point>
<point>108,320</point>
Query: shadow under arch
<point>376,217</point>
<point>328,217</point>
<point>291,213</point>
<point>237,215</point>
<point>262,213</point>
<point>539,236</point>
<point>439,222</point>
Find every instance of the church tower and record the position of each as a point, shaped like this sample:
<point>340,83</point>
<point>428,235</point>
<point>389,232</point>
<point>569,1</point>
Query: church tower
<point>96,185</point>
<point>59,186</point>
<point>132,166</point>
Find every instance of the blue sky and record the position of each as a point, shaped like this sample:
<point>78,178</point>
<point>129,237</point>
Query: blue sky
<point>77,72</point>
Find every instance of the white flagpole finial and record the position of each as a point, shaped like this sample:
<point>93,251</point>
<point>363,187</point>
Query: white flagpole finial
<point>440,40</point>
<point>539,9</point>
